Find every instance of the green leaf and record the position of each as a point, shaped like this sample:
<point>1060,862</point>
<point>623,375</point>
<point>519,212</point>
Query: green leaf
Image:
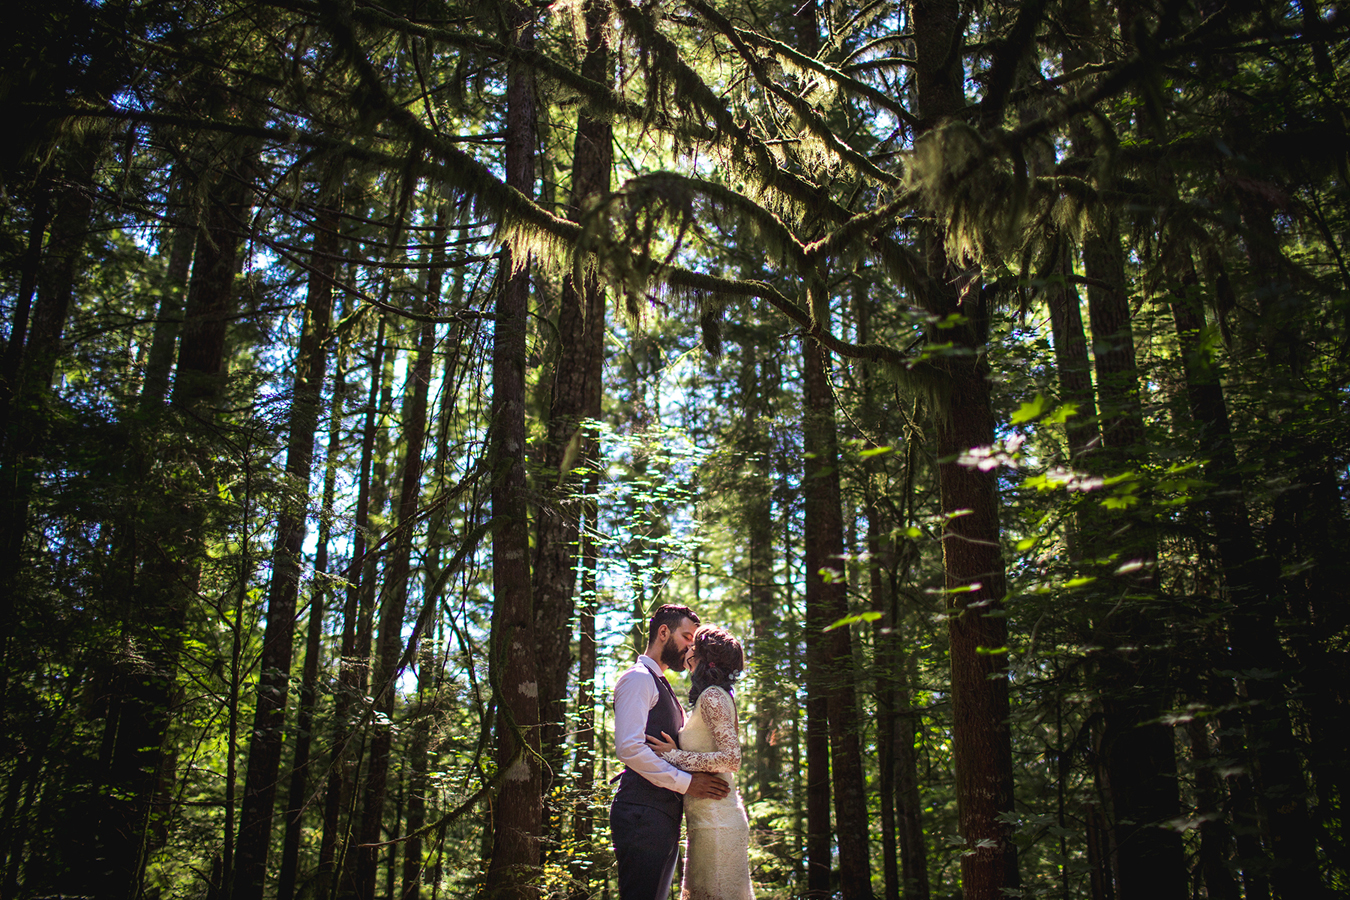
<point>875,451</point>
<point>854,620</point>
<point>1032,409</point>
<point>1062,414</point>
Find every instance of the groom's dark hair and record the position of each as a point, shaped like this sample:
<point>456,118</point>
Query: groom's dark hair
<point>669,615</point>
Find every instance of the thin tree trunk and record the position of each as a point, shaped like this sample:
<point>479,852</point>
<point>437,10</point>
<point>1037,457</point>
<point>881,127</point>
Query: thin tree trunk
<point>179,242</point>
<point>394,594</point>
<point>973,566</point>
<point>353,659</point>
<point>29,268</point>
<point>827,598</point>
<point>30,363</point>
<point>298,797</point>
<point>415,802</point>
<point>583,869</point>
<point>582,311</point>
<point>264,756</point>
<point>517,810</point>
<point>904,855</point>
<point>169,550</point>
<point>1214,837</point>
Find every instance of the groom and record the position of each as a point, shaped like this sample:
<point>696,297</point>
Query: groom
<point>644,818</point>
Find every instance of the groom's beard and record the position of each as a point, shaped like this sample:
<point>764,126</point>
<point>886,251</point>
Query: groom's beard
<point>672,657</point>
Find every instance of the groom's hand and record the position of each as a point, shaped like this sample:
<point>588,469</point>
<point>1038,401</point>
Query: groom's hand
<point>706,786</point>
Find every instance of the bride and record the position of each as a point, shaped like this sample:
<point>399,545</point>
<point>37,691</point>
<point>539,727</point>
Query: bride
<point>717,862</point>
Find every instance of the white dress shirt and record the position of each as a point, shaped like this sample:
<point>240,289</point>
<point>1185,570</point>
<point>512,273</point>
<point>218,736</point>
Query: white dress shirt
<point>634,696</point>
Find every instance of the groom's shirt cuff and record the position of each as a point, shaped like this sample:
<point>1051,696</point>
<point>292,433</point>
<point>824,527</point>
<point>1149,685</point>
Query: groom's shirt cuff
<point>634,696</point>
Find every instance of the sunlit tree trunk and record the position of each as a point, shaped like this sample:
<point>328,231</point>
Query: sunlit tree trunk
<point>354,658</point>
<point>264,757</point>
<point>582,312</point>
<point>390,649</point>
<point>298,796</point>
<point>972,563</point>
<point>826,601</point>
<point>517,810</point>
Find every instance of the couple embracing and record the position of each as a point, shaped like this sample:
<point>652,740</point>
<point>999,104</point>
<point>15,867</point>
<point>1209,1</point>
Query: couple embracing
<point>678,764</point>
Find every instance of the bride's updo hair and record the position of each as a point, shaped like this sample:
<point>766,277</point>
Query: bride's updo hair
<point>720,661</point>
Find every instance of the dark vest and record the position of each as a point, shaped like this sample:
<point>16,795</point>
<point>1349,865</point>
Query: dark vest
<point>633,788</point>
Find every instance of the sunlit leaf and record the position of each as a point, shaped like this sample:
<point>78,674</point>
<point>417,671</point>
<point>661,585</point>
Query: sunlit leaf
<point>1032,409</point>
<point>854,620</point>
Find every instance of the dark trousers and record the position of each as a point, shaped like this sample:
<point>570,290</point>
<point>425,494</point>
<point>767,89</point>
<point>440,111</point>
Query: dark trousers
<point>646,841</point>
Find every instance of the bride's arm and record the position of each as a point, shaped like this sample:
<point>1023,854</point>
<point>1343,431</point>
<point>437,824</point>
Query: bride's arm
<point>720,713</point>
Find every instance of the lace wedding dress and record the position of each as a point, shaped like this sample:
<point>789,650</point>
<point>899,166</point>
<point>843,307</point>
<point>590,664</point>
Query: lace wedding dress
<point>716,860</point>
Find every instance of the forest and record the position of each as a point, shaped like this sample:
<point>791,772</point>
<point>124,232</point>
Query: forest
<point>370,371</point>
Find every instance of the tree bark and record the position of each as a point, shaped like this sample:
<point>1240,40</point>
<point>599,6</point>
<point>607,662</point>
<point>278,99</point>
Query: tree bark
<point>517,810</point>
<point>264,757</point>
<point>354,658</point>
<point>390,648</point>
<point>973,566</point>
<point>298,796</point>
<point>826,597</point>
<point>168,322</point>
<point>1253,629</point>
<point>30,362</point>
<point>582,311</point>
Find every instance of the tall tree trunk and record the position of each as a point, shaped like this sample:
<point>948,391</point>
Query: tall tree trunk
<point>354,658</point>
<point>415,802</point>
<point>264,756</point>
<point>1214,836</point>
<point>394,594</point>
<point>517,810</point>
<point>826,599</point>
<point>903,853</point>
<point>179,242</point>
<point>973,566</point>
<point>29,268</point>
<point>584,870</point>
<point>756,385</point>
<point>298,796</point>
<point>1137,753</point>
<point>1253,629</point>
<point>30,363</point>
<point>166,551</point>
<point>582,311</point>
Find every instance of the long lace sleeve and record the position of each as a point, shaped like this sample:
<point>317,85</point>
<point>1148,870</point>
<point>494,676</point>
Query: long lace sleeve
<point>718,711</point>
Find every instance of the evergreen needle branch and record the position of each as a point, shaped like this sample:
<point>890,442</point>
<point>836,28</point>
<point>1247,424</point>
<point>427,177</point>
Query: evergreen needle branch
<point>799,106</point>
<point>600,99</point>
<point>840,78</point>
<point>858,226</point>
